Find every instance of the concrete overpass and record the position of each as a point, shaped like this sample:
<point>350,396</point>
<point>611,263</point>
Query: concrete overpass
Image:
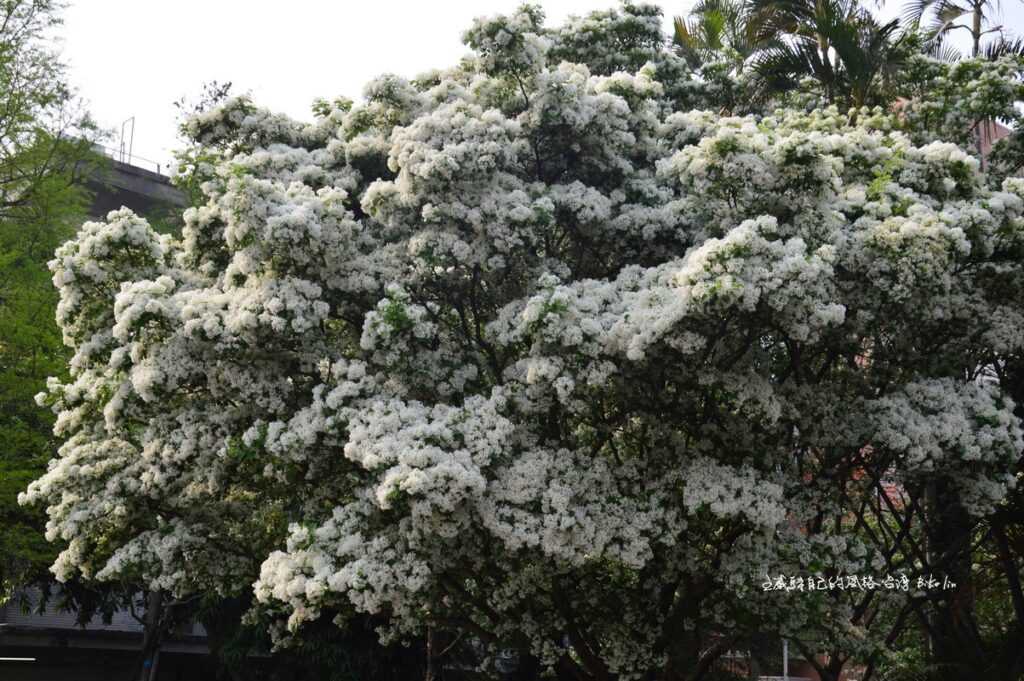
<point>144,191</point>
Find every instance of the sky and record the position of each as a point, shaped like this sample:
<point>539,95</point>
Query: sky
<point>134,58</point>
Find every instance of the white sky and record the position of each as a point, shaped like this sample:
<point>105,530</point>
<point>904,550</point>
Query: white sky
<point>136,57</point>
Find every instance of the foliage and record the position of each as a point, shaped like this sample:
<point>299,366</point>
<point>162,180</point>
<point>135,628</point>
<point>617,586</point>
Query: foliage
<point>851,56</point>
<point>190,161</point>
<point>963,101</point>
<point>719,29</point>
<point>45,150</point>
<point>978,17</point>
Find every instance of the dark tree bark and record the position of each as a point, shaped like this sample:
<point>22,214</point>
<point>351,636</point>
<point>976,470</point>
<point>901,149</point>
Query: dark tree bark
<point>957,649</point>
<point>152,637</point>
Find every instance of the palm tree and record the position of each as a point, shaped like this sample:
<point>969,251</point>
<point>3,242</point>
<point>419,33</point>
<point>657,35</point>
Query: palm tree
<point>977,17</point>
<point>836,42</point>
<point>718,30</point>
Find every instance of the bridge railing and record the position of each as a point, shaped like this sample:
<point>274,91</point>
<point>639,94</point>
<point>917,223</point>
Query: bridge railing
<point>132,159</point>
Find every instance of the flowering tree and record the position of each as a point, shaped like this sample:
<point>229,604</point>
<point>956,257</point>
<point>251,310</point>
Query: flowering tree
<point>529,353</point>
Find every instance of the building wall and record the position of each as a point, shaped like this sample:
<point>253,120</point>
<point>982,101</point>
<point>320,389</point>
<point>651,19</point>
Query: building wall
<point>52,617</point>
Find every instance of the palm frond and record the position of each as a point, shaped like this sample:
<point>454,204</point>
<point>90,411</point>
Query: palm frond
<point>713,25</point>
<point>686,43</point>
<point>943,51</point>
<point>915,10</point>
<point>946,15</point>
<point>781,67</point>
<point>1003,47</point>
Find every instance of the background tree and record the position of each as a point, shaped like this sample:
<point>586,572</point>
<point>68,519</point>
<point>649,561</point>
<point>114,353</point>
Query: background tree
<point>45,152</point>
<point>850,56</point>
<point>719,30</point>
<point>977,17</point>
<point>719,41</point>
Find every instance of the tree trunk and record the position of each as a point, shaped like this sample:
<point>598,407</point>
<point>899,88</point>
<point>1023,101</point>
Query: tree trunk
<point>835,666</point>
<point>976,29</point>
<point>755,667</point>
<point>152,633</point>
<point>1010,568</point>
<point>956,647</point>
<point>222,624</point>
<point>433,672</point>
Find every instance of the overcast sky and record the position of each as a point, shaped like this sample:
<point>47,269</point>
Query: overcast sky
<point>136,57</point>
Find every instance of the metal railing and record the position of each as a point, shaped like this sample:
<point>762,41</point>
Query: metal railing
<point>131,159</point>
